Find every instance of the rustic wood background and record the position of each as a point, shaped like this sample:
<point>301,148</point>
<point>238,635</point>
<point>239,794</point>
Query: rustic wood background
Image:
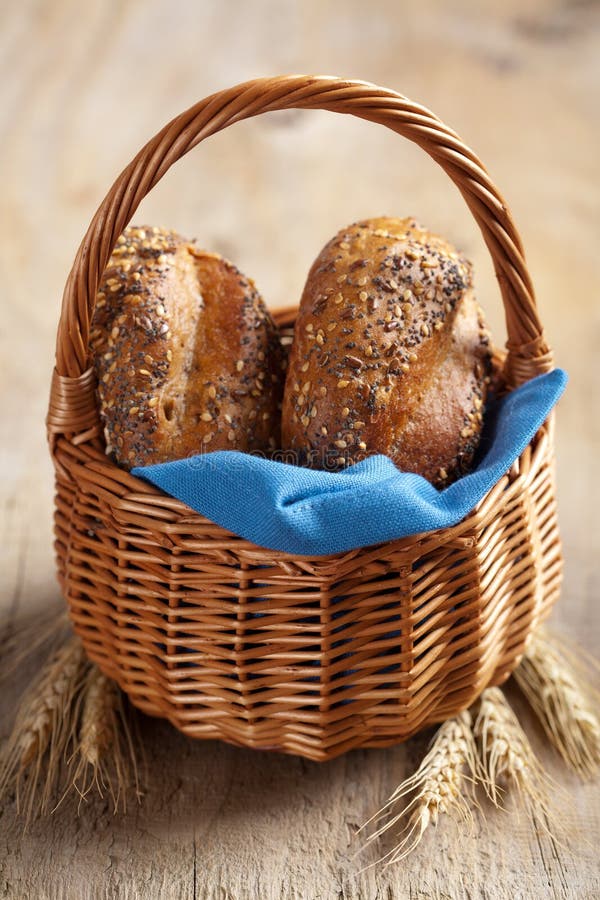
<point>82,86</point>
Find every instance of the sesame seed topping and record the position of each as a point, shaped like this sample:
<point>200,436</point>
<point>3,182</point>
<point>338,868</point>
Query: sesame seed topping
<point>231,435</point>
<point>208,438</point>
<point>362,445</point>
<point>341,444</point>
<point>425,329</point>
<point>239,365</point>
<point>212,392</point>
<point>341,279</point>
<point>134,410</point>
<point>342,383</point>
<point>153,401</point>
<point>363,295</point>
<point>206,417</point>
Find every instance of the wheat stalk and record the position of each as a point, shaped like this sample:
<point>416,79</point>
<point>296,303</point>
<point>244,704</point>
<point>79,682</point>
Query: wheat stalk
<point>39,632</point>
<point>437,787</point>
<point>562,701</point>
<point>42,728</point>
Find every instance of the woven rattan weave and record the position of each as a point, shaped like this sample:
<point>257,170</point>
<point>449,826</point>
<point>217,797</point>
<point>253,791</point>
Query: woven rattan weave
<point>312,656</point>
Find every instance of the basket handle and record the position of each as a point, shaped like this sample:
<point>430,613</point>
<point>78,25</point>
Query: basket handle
<point>528,355</point>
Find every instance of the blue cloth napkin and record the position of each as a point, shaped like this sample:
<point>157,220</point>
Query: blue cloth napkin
<point>310,512</point>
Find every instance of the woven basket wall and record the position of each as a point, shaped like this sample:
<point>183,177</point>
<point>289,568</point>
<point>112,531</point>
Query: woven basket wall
<point>318,655</point>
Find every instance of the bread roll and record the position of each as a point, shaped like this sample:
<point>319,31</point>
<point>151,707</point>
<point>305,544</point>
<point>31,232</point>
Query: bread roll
<point>390,354</point>
<point>186,354</point>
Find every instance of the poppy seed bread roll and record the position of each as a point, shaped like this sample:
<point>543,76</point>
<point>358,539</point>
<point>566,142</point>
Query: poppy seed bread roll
<point>390,354</point>
<point>186,355</point>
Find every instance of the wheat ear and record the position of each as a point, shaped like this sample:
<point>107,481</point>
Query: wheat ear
<point>506,759</point>
<point>103,757</point>
<point>563,702</point>
<point>42,729</point>
<point>441,785</point>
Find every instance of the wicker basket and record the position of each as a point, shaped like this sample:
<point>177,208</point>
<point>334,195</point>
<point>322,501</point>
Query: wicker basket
<point>357,649</point>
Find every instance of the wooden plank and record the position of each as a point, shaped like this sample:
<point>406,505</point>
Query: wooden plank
<point>79,95</point>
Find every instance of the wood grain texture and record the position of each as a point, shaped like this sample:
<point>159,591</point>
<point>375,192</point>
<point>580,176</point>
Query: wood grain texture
<point>80,92</point>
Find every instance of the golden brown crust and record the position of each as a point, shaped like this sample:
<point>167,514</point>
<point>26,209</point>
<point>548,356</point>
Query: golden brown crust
<point>390,354</point>
<point>186,354</point>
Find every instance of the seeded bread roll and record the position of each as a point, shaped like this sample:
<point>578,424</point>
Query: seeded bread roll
<point>390,354</point>
<point>186,354</point>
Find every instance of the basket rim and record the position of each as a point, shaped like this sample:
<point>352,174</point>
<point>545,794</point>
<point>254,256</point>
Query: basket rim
<point>142,499</point>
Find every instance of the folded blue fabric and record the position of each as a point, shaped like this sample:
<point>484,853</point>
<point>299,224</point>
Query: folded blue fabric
<point>305,511</point>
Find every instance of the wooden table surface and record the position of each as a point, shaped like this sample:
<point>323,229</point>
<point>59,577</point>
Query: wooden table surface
<point>83,85</point>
